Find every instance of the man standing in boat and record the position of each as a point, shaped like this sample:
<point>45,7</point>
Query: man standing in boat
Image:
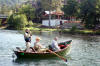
<point>54,45</point>
<point>27,37</point>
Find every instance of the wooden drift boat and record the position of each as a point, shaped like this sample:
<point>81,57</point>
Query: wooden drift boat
<point>65,47</point>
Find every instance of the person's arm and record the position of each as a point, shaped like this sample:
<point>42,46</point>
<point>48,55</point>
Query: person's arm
<point>24,35</point>
<point>34,44</point>
<point>30,35</point>
<point>56,46</point>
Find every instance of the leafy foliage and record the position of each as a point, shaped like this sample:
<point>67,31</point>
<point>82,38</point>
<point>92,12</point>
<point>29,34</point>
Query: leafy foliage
<point>17,21</point>
<point>89,11</point>
<point>30,24</point>
<point>71,9</point>
<point>51,4</point>
<point>28,10</point>
<point>73,29</point>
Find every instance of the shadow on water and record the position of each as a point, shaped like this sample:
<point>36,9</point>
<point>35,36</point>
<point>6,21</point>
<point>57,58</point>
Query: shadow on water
<point>40,62</point>
<point>18,60</point>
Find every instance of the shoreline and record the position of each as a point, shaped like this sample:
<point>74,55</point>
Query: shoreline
<point>64,31</point>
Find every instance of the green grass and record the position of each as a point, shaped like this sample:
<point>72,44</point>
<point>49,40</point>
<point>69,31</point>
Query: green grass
<point>39,29</point>
<point>36,28</point>
<point>85,31</point>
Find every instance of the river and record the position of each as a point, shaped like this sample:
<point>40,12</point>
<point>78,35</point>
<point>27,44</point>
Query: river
<point>85,49</point>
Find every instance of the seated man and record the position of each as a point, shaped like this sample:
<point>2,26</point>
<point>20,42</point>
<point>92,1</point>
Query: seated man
<point>37,46</point>
<point>54,45</point>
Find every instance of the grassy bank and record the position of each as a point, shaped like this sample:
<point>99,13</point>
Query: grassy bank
<point>36,28</point>
<point>85,31</point>
<point>39,29</point>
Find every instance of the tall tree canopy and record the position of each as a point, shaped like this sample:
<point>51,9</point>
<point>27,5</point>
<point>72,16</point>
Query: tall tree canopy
<point>89,10</point>
<point>71,9</point>
<point>28,10</point>
<point>51,4</point>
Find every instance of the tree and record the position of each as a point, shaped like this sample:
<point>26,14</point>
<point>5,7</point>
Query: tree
<point>17,21</point>
<point>71,9</point>
<point>89,11</point>
<point>28,10</point>
<point>51,4</point>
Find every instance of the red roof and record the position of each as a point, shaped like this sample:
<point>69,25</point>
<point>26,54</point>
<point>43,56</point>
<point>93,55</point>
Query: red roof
<point>54,13</point>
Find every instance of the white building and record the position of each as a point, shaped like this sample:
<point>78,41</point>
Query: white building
<point>53,22</point>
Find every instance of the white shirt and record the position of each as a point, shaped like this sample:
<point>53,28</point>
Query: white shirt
<point>38,44</point>
<point>55,46</point>
<point>27,35</point>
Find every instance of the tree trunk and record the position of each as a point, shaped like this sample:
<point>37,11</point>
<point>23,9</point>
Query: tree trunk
<point>49,18</point>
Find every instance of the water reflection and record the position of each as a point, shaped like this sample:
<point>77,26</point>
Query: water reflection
<point>37,62</point>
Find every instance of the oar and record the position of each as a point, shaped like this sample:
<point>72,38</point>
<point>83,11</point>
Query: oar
<point>58,55</point>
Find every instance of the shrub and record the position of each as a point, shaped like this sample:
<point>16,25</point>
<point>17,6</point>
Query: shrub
<point>98,32</point>
<point>73,29</point>
<point>17,21</point>
<point>30,24</point>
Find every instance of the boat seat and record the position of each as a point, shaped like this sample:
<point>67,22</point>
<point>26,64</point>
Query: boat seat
<point>62,46</point>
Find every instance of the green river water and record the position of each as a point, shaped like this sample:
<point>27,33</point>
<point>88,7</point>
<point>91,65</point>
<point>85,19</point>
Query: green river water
<point>85,49</point>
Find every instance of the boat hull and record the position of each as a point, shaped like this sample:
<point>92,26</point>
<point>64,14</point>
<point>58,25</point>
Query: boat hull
<point>63,52</point>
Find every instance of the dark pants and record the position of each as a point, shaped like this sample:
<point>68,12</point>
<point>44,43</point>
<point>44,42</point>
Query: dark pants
<point>28,39</point>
